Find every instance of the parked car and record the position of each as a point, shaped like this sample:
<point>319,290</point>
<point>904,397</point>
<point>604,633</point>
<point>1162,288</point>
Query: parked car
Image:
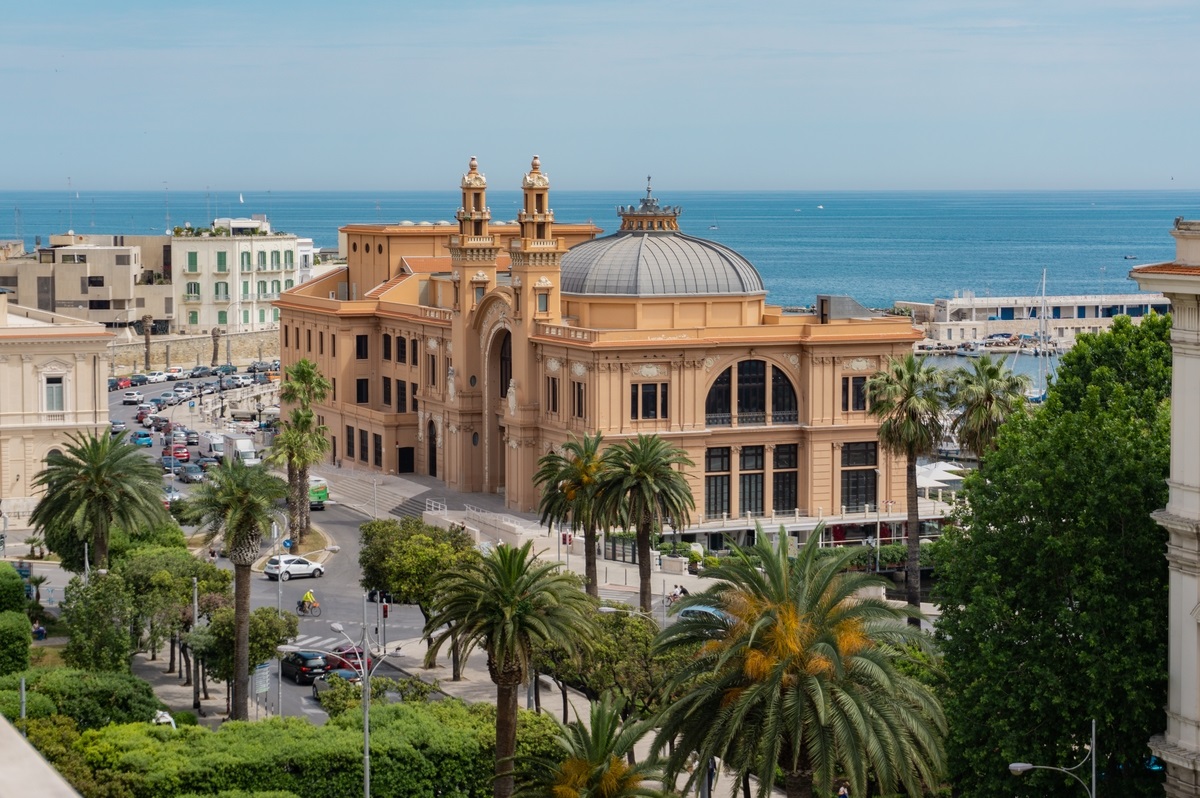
<point>175,373</point>
<point>206,463</point>
<point>227,368</point>
<point>193,437</point>
<point>258,365</point>
<point>172,465</point>
<point>138,380</point>
<point>170,495</point>
<point>286,566</point>
<point>183,392</point>
<point>118,426</point>
<point>143,410</point>
<point>302,667</point>
<point>191,473</point>
<point>321,683</point>
<point>143,437</point>
<point>261,378</point>
<point>123,383</point>
<point>178,451</point>
<point>132,398</point>
<point>169,398</point>
<point>348,657</point>
<point>208,388</point>
<point>156,376</point>
<point>112,384</point>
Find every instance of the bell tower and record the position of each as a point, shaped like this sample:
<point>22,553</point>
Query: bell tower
<point>473,251</point>
<point>537,254</point>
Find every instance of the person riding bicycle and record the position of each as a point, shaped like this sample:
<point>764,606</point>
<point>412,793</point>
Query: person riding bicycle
<point>308,600</point>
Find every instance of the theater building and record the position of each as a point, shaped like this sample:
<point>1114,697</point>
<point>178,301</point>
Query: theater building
<point>466,352</point>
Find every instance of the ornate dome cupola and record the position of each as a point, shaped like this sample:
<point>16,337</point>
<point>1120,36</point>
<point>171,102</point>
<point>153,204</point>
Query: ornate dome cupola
<point>649,256</point>
<point>648,215</point>
<point>473,251</point>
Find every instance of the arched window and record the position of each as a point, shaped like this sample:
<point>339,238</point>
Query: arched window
<point>506,365</point>
<point>262,260</point>
<point>739,394</point>
<point>193,290</point>
<point>222,290</point>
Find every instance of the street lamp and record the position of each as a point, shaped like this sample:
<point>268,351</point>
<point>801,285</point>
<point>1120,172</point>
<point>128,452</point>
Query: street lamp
<point>1019,768</point>
<point>366,692</point>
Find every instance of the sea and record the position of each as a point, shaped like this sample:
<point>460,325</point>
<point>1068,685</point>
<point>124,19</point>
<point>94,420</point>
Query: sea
<point>875,246</point>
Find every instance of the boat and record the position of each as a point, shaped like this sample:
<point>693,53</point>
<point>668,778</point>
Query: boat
<point>713,226</point>
<point>970,349</point>
<point>1131,257</point>
<point>820,207</point>
<point>1042,347</point>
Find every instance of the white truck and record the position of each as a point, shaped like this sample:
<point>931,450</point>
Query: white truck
<point>240,446</point>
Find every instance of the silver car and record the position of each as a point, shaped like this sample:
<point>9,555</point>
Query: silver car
<point>292,566</point>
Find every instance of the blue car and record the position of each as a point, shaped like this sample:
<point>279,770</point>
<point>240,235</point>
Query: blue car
<point>143,438</point>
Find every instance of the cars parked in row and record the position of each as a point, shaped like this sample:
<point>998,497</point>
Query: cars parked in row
<point>191,473</point>
<point>178,451</point>
<point>284,567</point>
<point>143,437</point>
<point>156,376</point>
<point>119,383</point>
<point>138,380</point>
<point>201,371</point>
<point>132,398</point>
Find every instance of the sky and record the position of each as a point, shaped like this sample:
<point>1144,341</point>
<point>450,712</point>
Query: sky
<point>733,95</point>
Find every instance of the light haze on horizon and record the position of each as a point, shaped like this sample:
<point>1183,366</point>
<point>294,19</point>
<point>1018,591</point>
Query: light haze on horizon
<point>860,95</point>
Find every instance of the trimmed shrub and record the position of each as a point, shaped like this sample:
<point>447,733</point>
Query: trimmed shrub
<point>93,700</point>
<point>16,637</point>
<point>12,589</point>
<point>36,705</point>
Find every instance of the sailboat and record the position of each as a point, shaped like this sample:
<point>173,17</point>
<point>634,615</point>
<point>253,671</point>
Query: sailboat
<point>1042,348</point>
<point>714,226</point>
<point>240,198</point>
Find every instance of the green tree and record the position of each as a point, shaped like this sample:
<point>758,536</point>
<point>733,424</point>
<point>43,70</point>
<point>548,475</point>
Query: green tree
<point>267,631</point>
<point>303,386</point>
<point>595,759</point>
<point>908,396</point>
<point>984,397</point>
<point>16,636</point>
<point>799,673</point>
<point>1054,591</point>
<point>299,446</point>
<point>569,483</point>
<point>236,501</point>
<point>99,615</point>
<point>642,486</point>
<point>98,482</point>
<point>12,589</point>
<point>507,603</point>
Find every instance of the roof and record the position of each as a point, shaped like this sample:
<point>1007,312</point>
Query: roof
<point>656,263</point>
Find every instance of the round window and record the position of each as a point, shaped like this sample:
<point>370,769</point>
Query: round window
<point>474,438</point>
<point>354,247</point>
<point>472,380</point>
<point>381,249</point>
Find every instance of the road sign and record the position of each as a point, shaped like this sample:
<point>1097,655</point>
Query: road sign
<point>262,678</point>
<point>287,544</point>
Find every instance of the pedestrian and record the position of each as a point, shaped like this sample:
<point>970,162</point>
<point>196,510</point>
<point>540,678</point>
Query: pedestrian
<point>212,556</point>
<point>844,790</point>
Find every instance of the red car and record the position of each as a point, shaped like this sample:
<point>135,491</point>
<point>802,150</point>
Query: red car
<point>123,383</point>
<point>178,451</point>
<point>348,657</point>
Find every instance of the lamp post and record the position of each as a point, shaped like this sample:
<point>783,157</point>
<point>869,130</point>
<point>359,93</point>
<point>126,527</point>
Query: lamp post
<point>1019,768</point>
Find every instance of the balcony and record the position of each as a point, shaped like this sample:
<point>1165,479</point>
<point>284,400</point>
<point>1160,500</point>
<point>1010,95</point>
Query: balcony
<point>192,298</point>
<point>249,297</point>
<point>222,299</point>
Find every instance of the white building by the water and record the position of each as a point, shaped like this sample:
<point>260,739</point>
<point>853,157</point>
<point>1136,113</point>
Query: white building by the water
<point>972,318</point>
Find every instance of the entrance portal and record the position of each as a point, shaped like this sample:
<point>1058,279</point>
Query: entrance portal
<point>431,436</point>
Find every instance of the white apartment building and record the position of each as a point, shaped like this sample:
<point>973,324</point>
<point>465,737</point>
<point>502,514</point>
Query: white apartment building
<point>227,276</point>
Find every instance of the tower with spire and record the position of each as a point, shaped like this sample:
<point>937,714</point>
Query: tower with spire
<point>473,251</point>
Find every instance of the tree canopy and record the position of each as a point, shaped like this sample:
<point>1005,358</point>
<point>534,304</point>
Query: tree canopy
<point>1054,589</point>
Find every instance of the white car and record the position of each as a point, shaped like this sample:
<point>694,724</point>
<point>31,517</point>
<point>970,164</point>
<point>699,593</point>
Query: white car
<point>175,373</point>
<point>182,392</point>
<point>156,376</point>
<point>170,397</point>
<point>292,566</point>
<point>132,398</point>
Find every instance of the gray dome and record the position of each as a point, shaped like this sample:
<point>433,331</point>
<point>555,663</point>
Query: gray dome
<point>646,263</point>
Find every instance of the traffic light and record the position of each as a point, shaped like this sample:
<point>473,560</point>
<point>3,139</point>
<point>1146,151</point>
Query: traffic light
<point>385,610</point>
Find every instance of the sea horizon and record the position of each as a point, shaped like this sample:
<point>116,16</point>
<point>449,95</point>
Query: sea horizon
<point>878,246</point>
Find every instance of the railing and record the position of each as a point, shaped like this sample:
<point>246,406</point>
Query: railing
<point>248,297</point>
<point>718,419</point>
<point>191,297</point>
<point>748,518</point>
<point>480,515</point>
<point>438,314</point>
<point>569,333</point>
<point>750,419</point>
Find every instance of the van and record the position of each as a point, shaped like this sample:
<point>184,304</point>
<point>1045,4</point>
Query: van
<point>175,373</point>
<point>216,448</point>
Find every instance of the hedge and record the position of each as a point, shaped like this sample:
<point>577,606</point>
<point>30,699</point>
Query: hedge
<point>12,589</point>
<point>16,636</point>
<point>93,700</point>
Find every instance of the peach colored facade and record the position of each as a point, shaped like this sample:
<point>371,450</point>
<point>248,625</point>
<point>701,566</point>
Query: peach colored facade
<point>468,352</point>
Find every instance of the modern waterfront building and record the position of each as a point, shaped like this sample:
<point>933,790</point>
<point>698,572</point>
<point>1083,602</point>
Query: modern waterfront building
<point>52,384</point>
<point>468,351</point>
<point>1179,281</point>
<point>973,318</point>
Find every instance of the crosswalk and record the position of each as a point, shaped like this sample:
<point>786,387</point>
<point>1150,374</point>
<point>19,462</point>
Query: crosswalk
<point>319,643</point>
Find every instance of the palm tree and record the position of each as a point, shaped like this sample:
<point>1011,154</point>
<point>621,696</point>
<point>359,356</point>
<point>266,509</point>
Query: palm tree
<point>99,482</point>
<point>568,483</point>
<point>908,397</point>
<point>985,396</point>
<point>641,487</point>
<point>237,501</point>
<point>797,671</point>
<point>304,387</point>
<point>507,603</point>
<point>147,327</point>
<point>595,759</point>
<point>216,336</point>
<point>301,445</point>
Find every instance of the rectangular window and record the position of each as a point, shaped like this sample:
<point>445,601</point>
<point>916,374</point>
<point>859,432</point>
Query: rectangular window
<point>543,300</point>
<point>245,261</point>
<point>262,315</point>
<point>123,260</point>
<point>387,391</point>
<point>401,349</point>
<point>360,347</point>
<point>784,493</point>
<point>716,482</point>
<point>859,478</point>
<point>412,395</point>
<point>362,393</point>
<point>222,317</point>
<point>387,347</point>
<point>859,454</point>
<point>333,344</point>
<point>222,265</point>
<point>285,336</point>
<point>751,458</point>
<point>333,387</point>
<point>362,445</point>
<point>552,395</point>
<point>416,351</point>
<point>854,393</point>
<point>377,450</point>
<point>350,441</point>
<point>750,494</point>
<point>245,317</point>
<point>262,260</point>
<point>275,259</point>
<point>320,342</point>
<point>308,340</point>
<point>96,282</point>
<point>432,370</point>
<point>193,262</point>
<point>648,400</point>
<point>193,317</point>
<point>578,400</point>
<point>401,396</point>
<point>54,394</point>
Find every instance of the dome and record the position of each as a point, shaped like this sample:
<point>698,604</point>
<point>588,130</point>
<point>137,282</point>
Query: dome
<point>648,256</point>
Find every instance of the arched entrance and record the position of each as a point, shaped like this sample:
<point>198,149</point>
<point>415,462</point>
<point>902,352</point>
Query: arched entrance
<point>500,374</point>
<point>431,439</point>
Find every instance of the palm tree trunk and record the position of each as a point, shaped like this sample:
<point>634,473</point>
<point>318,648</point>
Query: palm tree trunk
<point>305,509</point>
<point>506,736</point>
<point>293,476</point>
<point>797,784</point>
<point>643,554</point>
<point>912,567</point>
<point>240,709</point>
<point>589,562</point>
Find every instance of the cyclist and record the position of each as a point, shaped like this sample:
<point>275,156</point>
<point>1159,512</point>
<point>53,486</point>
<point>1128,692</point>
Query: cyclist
<point>308,600</point>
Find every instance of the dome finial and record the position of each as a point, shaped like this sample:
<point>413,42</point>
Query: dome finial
<point>474,164</point>
<point>536,166</point>
<point>647,186</point>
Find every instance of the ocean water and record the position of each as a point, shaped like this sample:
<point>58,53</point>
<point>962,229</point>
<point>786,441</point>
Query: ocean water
<point>878,247</point>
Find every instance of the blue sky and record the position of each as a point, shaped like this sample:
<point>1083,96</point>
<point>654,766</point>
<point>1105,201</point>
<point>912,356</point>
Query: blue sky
<point>858,94</point>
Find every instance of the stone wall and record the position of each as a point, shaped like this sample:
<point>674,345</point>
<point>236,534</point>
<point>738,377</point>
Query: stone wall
<point>191,350</point>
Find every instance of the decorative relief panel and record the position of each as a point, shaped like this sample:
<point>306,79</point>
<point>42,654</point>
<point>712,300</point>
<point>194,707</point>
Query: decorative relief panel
<point>649,370</point>
<point>432,344</point>
<point>578,369</point>
<point>552,365</point>
<point>861,364</point>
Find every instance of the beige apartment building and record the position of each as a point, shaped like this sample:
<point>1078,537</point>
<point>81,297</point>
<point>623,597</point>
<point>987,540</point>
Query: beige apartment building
<point>467,352</point>
<point>52,384</point>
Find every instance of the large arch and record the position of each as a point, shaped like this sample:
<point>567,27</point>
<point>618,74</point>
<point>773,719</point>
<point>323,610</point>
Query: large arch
<point>752,391</point>
<point>498,375</point>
